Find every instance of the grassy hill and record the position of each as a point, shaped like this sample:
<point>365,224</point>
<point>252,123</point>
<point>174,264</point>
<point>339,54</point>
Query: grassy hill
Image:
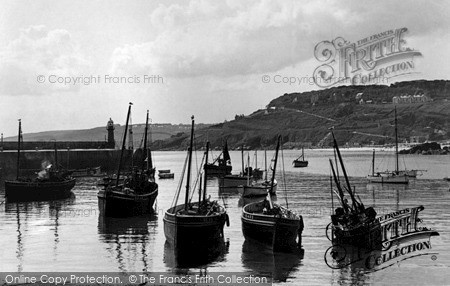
<point>305,118</point>
<point>157,132</point>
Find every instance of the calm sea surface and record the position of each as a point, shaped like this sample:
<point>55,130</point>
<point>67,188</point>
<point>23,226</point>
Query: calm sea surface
<point>70,235</point>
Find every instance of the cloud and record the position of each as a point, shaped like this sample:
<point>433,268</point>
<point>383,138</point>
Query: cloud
<point>222,39</point>
<point>39,51</point>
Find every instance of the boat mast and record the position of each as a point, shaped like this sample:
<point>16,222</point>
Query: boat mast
<point>204,167</point>
<point>56,156</point>
<point>248,168</point>
<point>145,153</point>
<point>303,154</point>
<point>396,142</point>
<point>200,190</point>
<point>349,188</point>
<point>18,149</point>
<point>338,186</point>
<point>188,179</point>
<point>242,159</point>
<point>265,162</point>
<point>68,154</point>
<point>275,164</point>
<point>256,159</point>
<point>373,163</point>
<point>123,144</point>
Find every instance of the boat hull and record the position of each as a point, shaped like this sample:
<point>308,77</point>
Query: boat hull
<point>282,234</point>
<point>166,175</point>
<point>121,204</point>
<point>215,170</point>
<point>389,179</point>
<point>368,237</point>
<point>233,181</point>
<point>257,191</point>
<point>191,231</point>
<point>300,164</point>
<point>35,190</point>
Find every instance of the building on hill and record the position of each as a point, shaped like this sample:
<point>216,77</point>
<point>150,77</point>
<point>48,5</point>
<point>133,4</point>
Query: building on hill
<point>419,98</point>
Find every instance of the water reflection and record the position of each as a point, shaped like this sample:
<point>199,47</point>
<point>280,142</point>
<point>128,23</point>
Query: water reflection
<point>264,262</point>
<point>25,210</point>
<point>127,239</point>
<point>351,262</point>
<point>181,259</point>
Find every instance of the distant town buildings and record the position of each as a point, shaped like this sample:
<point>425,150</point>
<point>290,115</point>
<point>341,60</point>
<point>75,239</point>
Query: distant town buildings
<point>419,98</point>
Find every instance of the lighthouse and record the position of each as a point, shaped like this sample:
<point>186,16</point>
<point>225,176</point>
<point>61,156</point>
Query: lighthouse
<point>110,128</point>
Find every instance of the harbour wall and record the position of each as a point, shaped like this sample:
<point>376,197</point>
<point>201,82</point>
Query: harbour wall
<point>32,161</point>
<point>50,145</point>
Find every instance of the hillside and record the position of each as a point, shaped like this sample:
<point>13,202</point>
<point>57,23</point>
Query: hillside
<point>158,132</point>
<point>305,118</point>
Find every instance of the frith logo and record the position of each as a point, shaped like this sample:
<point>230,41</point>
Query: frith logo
<point>374,59</point>
<point>400,238</point>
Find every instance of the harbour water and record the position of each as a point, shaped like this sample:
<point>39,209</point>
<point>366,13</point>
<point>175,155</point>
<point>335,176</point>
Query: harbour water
<point>71,236</point>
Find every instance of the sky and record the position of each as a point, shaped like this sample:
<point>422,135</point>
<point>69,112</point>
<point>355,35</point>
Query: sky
<point>74,64</point>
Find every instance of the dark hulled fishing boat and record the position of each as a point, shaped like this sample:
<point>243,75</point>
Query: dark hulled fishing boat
<point>194,225</point>
<point>300,162</point>
<point>352,224</point>
<point>136,194</point>
<point>50,183</point>
<point>221,166</point>
<point>271,223</point>
<point>231,182</point>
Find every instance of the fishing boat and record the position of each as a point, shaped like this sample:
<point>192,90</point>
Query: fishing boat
<point>136,194</point>
<point>300,162</point>
<point>260,188</point>
<point>50,183</point>
<point>271,223</point>
<point>232,182</point>
<point>389,177</point>
<point>165,174</point>
<point>221,166</point>
<point>88,172</point>
<point>255,173</point>
<point>194,225</point>
<point>351,224</point>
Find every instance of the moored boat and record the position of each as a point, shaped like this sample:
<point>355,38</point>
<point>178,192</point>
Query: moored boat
<point>221,166</point>
<point>276,226</point>
<point>259,188</point>
<point>256,189</point>
<point>165,174</point>
<point>194,225</point>
<point>391,177</point>
<point>88,172</point>
<point>271,223</point>
<point>232,182</point>
<point>352,224</point>
<point>300,162</point>
<point>50,183</point>
<point>136,194</point>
